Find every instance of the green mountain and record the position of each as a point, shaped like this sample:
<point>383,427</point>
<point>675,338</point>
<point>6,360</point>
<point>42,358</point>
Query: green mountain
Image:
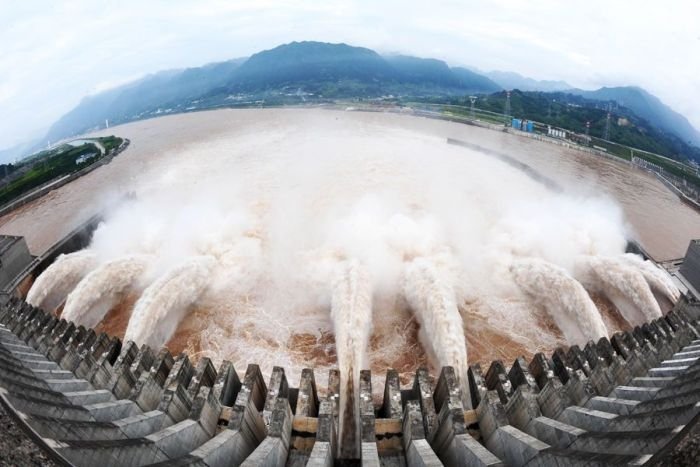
<point>136,100</point>
<point>438,73</point>
<point>643,104</point>
<point>340,70</point>
<point>332,71</point>
<point>300,62</point>
<point>321,72</point>
<point>312,69</point>
<point>648,107</point>
<point>510,80</point>
<point>572,111</point>
<point>477,80</point>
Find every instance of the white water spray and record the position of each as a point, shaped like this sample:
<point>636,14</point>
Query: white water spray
<point>103,288</point>
<point>658,279</point>
<point>267,196</point>
<point>564,298</point>
<point>432,298</point>
<point>623,284</point>
<point>53,286</point>
<point>165,302</point>
<point>351,313</point>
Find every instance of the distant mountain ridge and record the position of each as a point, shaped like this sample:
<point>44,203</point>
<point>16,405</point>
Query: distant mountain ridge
<point>511,80</point>
<point>300,61</point>
<point>321,69</point>
<point>130,101</point>
<point>638,100</point>
<point>317,70</point>
<point>648,107</point>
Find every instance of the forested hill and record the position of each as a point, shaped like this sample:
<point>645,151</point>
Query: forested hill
<point>311,70</point>
<point>571,112</point>
<point>648,107</point>
<point>301,72</point>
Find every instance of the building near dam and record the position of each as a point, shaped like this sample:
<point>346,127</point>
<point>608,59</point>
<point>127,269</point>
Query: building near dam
<point>87,398</point>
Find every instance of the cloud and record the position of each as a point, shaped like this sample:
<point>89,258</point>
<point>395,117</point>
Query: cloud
<point>52,54</point>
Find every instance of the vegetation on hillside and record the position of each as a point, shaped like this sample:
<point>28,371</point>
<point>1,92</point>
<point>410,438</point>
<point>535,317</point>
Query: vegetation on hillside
<point>292,73</point>
<point>110,143</point>
<point>52,164</point>
<point>316,72</point>
<point>571,112</point>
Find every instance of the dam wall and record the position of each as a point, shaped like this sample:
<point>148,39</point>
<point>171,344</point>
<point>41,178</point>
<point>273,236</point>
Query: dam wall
<point>91,399</point>
<point>88,398</point>
<point>77,239</point>
<point>14,258</point>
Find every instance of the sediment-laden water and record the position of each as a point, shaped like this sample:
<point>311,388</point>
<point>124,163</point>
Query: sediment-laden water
<point>322,238</point>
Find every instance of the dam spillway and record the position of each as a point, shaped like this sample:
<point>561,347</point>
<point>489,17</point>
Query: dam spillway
<point>89,399</point>
<point>393,279</point>
<point>279,198</point>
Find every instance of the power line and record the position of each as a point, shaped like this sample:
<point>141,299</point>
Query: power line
<point>506,112</point>
<point>606,134</point>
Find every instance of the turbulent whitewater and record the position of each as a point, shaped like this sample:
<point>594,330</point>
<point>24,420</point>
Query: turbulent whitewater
<point>165,302</point>
<point>351,312</point>
<point>330,240</point>
<point>565,299</point>
<point>624,284</point>
<point>52,287</point>
<point>432,298</point>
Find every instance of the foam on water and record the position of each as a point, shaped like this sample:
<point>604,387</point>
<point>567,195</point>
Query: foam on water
<point>624,284</point>
<point>431,296</point>
<point>351,312</point>
<point>279,246</point>
<point>164,303</point>
<point>658,279</point>
<point>103,288</point>
<point>565,299</point>
<point>52,287</point>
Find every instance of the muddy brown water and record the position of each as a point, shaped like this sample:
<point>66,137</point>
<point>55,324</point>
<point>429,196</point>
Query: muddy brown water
<point>656,217</point>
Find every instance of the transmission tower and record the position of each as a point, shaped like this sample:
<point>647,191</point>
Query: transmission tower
<point>472,99</point>
<point>506,113</point>
<point>606,134</point>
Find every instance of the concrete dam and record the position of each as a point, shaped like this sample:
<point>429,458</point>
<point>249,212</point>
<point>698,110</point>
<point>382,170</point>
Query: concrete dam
<point>321,293</point>
<point>88,398</point>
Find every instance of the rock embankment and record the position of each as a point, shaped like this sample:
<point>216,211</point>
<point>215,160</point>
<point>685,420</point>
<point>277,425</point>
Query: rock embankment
<point>16,449</point>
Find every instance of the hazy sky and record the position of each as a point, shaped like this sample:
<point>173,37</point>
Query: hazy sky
<point>53,53</point>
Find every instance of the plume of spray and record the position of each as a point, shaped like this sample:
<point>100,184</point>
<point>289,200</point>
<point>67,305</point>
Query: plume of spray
<point>267,222</point>
<point>658,279</point>
<point>564,298</point>
<point>103,288</point>
<point>431,296</point>
<point>351,313</point>
<point>52,287</point>
<point>622,283</point>
<point>166,301</point>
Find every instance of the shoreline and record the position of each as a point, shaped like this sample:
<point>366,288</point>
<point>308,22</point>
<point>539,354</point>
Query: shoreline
<point>56,183</point>
<point>562,165</point>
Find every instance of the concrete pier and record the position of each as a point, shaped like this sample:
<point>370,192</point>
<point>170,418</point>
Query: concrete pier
<point>88,399</point>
